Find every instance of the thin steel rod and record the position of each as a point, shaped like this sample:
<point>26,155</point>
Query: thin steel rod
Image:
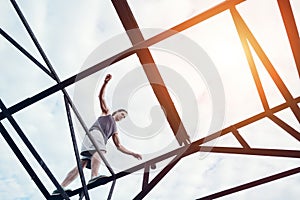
<point>252,151</point>
<point>23,161</point>
<point>146,176</point>
<point>26,53</point>
<point>31,34</point>
<point>285,127</point>
<point>32,150</point>
<point>239,137</point>
<point>124,54</point>
<point>79,164</point>
<point>291,29</point>
<point>157,178</point>
<point>111,189</point>
<point>252,184</point>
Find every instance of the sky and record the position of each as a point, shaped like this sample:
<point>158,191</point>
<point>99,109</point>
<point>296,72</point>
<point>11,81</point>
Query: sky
<point>78,34</point>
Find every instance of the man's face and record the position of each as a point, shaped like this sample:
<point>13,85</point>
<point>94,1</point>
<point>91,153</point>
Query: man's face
<point>120,115</point>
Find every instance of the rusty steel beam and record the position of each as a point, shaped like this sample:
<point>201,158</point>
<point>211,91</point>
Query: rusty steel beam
<point>152,72</point>
<point>291,29</point>
<point>239,137</point>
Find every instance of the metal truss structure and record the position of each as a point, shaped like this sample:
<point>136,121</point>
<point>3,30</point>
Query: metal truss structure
<point>140,48</point>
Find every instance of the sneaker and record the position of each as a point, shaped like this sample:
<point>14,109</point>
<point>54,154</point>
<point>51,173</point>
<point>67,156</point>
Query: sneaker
<point>96,178</point>
<point>56,192</point>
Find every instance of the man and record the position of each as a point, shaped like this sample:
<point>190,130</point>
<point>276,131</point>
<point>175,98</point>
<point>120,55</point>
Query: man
<point>101,131</point>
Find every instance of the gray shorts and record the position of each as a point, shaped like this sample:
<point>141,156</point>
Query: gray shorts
<point>88,149</point>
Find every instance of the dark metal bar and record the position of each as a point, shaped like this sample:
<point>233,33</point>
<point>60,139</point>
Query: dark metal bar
<point>32,150</point>
<point>26,25</point>
<point>158,86</point>
<point>158,177</point>
<point>23,161</point>
<point>254,72</point>
<point>146,177</point>
<point>221,7</point>
<point>29,101</point>
<point>285,127</point>
<point>79,166</point>
<point>291,29</point>
<point>124,54</point>
<point>252,184</point>
<point>111,189</point>
<point>26,53</point>
<point>239,137</point>
<point>252,151</point>
<point>268,65</point>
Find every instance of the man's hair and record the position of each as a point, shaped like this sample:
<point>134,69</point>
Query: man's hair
<point>120,110</point>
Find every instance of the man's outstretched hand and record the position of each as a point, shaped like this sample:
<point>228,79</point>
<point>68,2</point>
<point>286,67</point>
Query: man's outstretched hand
<point>107,78</point>
<point>137,156</point>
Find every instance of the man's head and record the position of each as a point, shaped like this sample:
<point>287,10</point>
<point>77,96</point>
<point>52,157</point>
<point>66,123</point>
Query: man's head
<point>120,114</point>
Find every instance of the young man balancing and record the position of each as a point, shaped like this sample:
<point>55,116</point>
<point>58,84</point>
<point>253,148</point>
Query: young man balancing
<point>103,128</point>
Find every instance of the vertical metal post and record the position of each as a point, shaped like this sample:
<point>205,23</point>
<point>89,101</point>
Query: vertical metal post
<point>79,166</point>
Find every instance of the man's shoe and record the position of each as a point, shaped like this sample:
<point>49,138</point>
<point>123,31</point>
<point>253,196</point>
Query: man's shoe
<point>93,180</point>
<point>56,192</point>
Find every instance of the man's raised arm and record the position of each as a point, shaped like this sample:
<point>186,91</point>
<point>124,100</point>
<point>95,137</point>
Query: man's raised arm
<point>103,105</point>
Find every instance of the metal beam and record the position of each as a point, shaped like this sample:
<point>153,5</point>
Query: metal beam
<point>151,71</point>
<point>285,127</point>
<point>252,184</point>
<point>291,29</point>
<point>79,165</point>
<point>252,151</point>
<point>158,177</point>
<point>26,53</point>
<point>146,176</point>
<point>239,137</point>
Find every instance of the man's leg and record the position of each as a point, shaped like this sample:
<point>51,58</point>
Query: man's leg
<point>95,164</point>
<point>73,174</point>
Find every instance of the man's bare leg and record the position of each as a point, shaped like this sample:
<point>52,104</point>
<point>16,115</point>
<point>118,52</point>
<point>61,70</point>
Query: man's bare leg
<point>95,164</point>
<point>72,175</point>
